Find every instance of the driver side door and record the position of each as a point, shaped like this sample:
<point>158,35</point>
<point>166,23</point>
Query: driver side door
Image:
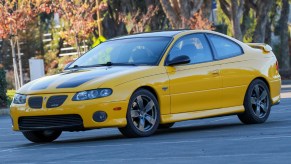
<point>197,85</point>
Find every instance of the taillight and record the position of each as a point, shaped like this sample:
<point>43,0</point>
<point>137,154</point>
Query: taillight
<point>277,65</point>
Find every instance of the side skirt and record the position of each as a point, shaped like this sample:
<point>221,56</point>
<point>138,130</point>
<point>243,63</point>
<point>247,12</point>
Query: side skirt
<point>201,114</point>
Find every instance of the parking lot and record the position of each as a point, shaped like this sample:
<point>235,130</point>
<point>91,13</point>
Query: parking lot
<point>214,140</point>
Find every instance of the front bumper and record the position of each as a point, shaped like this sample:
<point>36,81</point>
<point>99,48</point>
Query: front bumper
<point>85,109</point>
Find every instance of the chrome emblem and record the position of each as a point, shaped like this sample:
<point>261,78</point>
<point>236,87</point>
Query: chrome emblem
<point>164,88</point>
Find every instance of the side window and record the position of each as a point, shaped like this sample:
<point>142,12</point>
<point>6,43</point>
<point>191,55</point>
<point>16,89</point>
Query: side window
<point>224,47</point>
<point>195,46</point>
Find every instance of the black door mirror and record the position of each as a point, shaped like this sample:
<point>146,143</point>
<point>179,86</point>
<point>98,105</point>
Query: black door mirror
<point>183,59</point>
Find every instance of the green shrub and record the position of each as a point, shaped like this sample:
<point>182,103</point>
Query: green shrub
<point>10,94</point>
<point>3,87</point>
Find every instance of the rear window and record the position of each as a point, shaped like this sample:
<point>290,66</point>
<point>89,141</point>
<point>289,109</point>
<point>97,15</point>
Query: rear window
<point>224,47</point>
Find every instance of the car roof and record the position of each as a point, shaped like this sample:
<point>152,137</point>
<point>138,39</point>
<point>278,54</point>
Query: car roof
<point>151,34</point>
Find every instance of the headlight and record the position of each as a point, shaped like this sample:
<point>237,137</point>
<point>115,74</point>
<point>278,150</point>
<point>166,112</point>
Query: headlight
<point>19,99</point>
<point>92,94</point>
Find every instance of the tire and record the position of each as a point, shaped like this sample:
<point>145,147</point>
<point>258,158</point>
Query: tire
<point>42,136</point>
<point>257,103</point>
<point>143,115</point>
<point>166,126</point>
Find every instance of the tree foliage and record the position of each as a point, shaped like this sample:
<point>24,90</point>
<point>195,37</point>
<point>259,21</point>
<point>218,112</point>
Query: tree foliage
<point>80,21</point>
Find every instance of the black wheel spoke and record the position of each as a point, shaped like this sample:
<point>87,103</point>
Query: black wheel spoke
<point>263,95</point>
<point>253,100</point>
<point>150,119</point>
<point>149,106</point>
<point>134,113</point>
<point>140,102</point>
<point>264,107</point>
<point>258,111</point>
<point>257,91</point>
<point>141,125</point>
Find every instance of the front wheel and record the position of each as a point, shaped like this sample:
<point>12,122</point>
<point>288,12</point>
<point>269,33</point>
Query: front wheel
<point>143,115</point>
<point>257,103</point>
<point>42,136</point>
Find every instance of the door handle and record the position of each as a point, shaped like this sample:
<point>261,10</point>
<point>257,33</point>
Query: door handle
<point>215,72</point>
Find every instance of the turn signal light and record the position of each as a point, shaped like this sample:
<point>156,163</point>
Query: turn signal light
<point>117,108</point>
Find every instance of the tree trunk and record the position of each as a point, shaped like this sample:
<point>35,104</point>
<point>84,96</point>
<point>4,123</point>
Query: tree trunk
<point>270,23</point>
<point>99,22</point>
<point>16,79</point>
<point>262,10</point>
<point>19,62</point>
<point>206,9</point>
<point>78,46</point>
<point>234,10</point>
<point>284,35</point>
<point>171,14</point>
<point>245,25</point>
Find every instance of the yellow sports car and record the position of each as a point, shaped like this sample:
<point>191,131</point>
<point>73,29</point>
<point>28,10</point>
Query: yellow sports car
<point>146,81</point>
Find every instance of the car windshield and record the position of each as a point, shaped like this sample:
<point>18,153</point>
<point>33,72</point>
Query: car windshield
<point>132,51</point>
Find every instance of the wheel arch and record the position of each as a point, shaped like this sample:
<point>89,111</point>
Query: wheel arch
<point>151,89</point>
<point>259,78</point>
<point>264,80</point>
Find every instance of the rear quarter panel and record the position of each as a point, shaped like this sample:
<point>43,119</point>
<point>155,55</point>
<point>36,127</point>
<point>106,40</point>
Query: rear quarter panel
<point>264,66</point>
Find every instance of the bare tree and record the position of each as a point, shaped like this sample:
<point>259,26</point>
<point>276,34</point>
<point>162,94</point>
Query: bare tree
<point>262,8</point>
<point>179,12</point>
<point>233,10</point>
<point>284,35</point>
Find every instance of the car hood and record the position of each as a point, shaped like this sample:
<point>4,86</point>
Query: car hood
<point>85,79</point>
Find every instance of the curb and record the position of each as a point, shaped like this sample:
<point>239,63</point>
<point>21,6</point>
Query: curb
<point>4,111</point>
<point>285,82</point>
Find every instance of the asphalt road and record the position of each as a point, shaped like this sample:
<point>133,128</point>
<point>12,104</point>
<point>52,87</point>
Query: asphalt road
<point>215,140</point>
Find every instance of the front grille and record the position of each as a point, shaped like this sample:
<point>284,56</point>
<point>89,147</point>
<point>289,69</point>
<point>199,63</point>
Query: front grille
<point>63,122</point>
<point>35,102</point>
<point>56,101</point>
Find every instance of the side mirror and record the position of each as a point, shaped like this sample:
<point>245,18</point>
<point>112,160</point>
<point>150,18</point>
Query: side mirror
<point>67,65</point>
<point>183,59</point>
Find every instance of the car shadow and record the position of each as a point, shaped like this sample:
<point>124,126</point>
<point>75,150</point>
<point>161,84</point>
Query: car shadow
<point>119,138</point>
<point>160,132</point>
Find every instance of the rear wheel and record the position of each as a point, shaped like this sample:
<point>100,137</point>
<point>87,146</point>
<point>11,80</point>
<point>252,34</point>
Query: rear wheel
<point>143,115</point>
<point>166,126</point>
<point>42,136</point>
<point>257,103</point>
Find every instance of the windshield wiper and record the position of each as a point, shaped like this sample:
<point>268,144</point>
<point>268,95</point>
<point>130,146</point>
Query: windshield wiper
<point>119,64</point>
<point>106,64</point>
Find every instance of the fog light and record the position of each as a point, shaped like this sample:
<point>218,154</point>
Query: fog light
<point>99,116</point>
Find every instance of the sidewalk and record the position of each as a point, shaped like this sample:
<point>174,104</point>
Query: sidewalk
<point>4,111</point>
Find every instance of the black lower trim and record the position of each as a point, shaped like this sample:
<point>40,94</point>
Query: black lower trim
<point>71,122</point>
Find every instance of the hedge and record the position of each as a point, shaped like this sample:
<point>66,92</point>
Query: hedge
<point>3,87</point>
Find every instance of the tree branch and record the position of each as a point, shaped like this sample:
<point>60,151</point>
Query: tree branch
<point>170,13</point>
<point>196,6</point>
<point>225,6</point>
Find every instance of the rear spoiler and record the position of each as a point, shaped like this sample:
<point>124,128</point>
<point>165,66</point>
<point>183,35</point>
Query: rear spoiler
<point>263,46</point>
